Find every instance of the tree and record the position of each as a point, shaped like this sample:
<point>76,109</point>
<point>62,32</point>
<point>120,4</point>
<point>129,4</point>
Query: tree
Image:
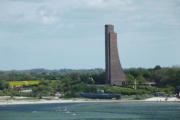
<point>135,72</point>
<point>157,67</point>
<point>43,89</point>
<point>3,76</point>
<point>99,78</point>
<point>141,79</point>
<point>177,90</point>
<point>177,78</point>
<point>3,84</point>
<point>130,79</point>
<point>28,76</point>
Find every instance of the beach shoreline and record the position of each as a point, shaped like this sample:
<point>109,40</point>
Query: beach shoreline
<point>6,100</point>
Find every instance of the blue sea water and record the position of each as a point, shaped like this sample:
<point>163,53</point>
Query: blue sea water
<point>93,111</point>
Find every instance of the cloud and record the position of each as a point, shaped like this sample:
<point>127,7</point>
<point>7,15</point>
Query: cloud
<point>56,11</point>
<point>47,18</point>
<point>108,4</point>
<point>21,11</point>
<point>52,25</point>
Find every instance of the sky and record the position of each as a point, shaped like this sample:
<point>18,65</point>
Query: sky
<point>57,34</point>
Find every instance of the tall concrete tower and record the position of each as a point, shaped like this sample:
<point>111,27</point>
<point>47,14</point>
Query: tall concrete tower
<point>114,72</point>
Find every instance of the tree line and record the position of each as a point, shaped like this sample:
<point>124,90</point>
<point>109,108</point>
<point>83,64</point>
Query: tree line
<point>71,83</point>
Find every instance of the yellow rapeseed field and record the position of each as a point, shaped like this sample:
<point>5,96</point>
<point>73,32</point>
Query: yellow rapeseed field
<point>21,83</point>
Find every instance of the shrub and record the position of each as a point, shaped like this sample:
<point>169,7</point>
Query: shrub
<point>2,93</point>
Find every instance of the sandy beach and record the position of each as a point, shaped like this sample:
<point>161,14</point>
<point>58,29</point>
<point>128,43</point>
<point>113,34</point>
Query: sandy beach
<point>163,99</point>
<point>6,100</point>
